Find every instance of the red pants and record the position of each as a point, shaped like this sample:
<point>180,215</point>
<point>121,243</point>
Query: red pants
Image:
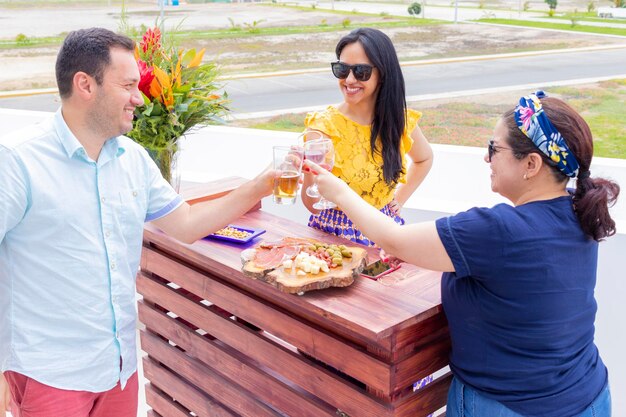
<point>30,398</point>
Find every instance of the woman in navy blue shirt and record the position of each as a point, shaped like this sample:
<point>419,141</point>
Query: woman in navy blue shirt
<point>518,282</point>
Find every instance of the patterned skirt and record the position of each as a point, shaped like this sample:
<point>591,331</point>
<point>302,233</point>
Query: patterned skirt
<point>336,223</point>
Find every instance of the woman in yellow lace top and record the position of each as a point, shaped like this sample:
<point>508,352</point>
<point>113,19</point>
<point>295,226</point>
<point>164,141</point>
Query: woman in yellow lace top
<point>372,132</point>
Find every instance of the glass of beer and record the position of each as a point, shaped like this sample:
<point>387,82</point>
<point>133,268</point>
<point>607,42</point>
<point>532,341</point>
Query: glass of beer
<point>288,159</point>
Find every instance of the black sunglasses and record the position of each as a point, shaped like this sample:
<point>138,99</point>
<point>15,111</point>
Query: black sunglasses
<point>362,72</point>
<point>492,148</point>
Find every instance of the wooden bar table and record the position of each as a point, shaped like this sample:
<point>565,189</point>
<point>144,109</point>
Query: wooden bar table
<point>220,343</point>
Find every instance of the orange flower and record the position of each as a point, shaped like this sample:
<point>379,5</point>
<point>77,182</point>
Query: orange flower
<point>161,87</point>
<point>197,59</point>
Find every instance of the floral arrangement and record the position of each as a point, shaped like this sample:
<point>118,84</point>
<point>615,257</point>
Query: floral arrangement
<point>179,93</point>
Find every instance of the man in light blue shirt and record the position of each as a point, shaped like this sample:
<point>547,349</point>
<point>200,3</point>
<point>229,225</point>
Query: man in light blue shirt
<point>74,195</point>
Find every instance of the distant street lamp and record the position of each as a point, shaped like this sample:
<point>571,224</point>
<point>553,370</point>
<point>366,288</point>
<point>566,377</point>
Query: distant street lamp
<point>162,15</point>
<point>456,10</point>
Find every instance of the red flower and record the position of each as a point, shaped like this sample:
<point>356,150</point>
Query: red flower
<point>146,75</point>
<point>151,40</point>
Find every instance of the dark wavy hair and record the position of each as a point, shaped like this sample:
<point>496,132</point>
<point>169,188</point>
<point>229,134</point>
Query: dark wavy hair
<point>390,109</point>
<point>593,196</point>
<point>87,50</point>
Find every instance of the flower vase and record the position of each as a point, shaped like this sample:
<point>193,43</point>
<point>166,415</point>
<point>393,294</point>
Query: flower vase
<point>167,161</point>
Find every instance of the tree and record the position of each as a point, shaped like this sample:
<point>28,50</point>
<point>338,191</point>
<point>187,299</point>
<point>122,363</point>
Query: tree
<point>620,3</point>
<point>552,4</point>
<point>415,9</point>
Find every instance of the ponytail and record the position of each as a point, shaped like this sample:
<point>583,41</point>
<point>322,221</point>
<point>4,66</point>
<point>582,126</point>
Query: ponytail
<point>592,199</point>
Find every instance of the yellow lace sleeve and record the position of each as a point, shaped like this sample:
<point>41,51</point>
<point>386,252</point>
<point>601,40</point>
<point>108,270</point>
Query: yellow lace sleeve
<point>322,121</point>
<point>412,117</point>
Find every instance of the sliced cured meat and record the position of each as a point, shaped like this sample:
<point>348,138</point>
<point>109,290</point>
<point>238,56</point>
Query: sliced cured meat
<point>274,257</point>
<point>290,252</point>
<point>287,241</point>
<point>268,258</point>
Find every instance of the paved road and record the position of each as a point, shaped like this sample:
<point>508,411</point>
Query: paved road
<point>317,89</point>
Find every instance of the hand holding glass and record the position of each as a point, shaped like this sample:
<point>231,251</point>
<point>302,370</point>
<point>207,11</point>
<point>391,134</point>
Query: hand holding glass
<point>287,159</point>
<point>322,152</point>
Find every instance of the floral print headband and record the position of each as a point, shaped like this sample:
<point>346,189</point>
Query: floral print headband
<point>534,123</point>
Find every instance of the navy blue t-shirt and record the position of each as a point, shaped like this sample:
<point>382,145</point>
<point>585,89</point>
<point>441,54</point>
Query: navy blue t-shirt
<point>521,306</point>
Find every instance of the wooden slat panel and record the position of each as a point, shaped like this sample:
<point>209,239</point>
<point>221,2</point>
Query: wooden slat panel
<point>310,377</point>
<point>231,364</point>
<point>162,404</point>
<point>407,340</point>
<point>426,361</point>
<point>221,389</point>
<point>187,395</point>
<point>342,356</point>
<point>426,400</point>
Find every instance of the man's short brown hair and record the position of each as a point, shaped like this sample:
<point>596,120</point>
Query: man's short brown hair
<point>87,50</point>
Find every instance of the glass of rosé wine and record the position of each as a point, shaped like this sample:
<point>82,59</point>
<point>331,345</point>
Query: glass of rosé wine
<point>322,152</point>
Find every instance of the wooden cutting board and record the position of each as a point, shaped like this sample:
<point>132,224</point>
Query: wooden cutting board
<point>285,281</point>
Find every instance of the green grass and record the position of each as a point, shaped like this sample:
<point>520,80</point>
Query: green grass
<point>459,123</point>
<point>590,17</point>
<point>292,122</point>
<point>558,26</point>
<point>470,121</point>
<point>603,109</point>
<point>295,30</point>
<point>31,42</point>
<point>238,32</point>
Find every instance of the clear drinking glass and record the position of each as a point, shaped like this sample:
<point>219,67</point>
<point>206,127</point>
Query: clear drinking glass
<point>322,152</point>
<point>288,159</point>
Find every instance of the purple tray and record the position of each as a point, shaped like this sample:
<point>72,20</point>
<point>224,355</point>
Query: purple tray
<point>253,233</point>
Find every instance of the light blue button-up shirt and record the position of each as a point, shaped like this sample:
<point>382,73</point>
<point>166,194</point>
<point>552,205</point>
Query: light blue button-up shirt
<point>70,243</point>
